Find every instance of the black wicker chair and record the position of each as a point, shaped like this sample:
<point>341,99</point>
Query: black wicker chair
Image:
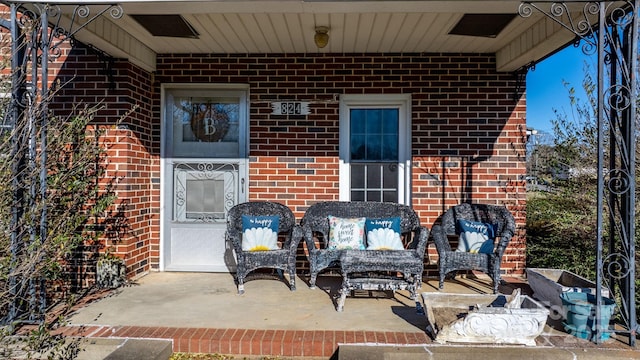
<point>315,226</point>
<point>451,260</point>
<point>281,259</point>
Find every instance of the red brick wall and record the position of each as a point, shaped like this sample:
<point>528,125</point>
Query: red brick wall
<point>121,93</point>
<point>468,131</point>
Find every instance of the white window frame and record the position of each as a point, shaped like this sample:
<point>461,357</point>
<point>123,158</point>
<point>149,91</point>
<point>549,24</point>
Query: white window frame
<point>402,102</point>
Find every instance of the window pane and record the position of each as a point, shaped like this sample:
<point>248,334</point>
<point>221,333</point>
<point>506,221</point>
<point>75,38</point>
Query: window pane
<point>204,126</point>
<point>357,196</point>
<point>373,196</point>
<point>390,176</point>
<point>374,181</point>
<point>358,150</point>
<point>373,176</point>
<point>357,176</point>
<point>374,121</point>
<point>204,198</point>
<point>374,134</point>
<point>208,119</point>
<point>390,196</point>
<point>374,149</point>
<point>358,121</point>
<point>389,147</point>
<point>390,125</point>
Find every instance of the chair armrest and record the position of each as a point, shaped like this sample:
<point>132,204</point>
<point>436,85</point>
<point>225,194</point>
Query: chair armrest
<point>440,239</point>
<point>505,238</point>
<point>233,236</point>
<point>420,240</point>
<point>307,234</point>
<point>293,239</point>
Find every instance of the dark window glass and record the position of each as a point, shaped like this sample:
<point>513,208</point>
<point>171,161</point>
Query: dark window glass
<point>374,134</point>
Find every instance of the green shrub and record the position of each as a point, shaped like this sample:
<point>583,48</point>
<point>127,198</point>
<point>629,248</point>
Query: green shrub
<point>561,232</point>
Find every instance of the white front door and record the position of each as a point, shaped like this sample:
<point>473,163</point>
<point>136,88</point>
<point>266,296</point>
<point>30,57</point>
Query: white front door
<point>204,173</point>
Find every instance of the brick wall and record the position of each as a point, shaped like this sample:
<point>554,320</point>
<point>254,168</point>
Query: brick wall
<point>121,94</point>
<point>468,131</point>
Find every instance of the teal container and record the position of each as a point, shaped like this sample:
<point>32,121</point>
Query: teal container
<point>580,310</point>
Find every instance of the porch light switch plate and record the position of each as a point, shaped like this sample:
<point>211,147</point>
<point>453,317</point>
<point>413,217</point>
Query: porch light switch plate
<point>290,108</point>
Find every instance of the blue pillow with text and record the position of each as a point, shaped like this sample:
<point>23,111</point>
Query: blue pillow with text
<point>260,233</point>
<point>384,234</point>
<point>476,237</point>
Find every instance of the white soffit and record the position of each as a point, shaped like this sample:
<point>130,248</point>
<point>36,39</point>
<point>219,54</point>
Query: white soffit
<point>287,26</point>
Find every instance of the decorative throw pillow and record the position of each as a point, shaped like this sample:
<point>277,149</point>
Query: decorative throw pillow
<point>346,233</point>
<point>383,234</point>
<point>476,237</point>
<point>260,233</point>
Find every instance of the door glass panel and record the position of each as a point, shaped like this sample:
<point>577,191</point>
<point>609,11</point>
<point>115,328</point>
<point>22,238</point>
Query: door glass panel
<point>374,149</point>
<point>205,126</point>
<point>374,174</point>
<point>357,195</point>
<point>203,192</point>
<point>390,196</point>
<point>374,134</point>
<point>374,182</point>
<point>209,119</point>
<point>357,175</point>
<point>204,198</point>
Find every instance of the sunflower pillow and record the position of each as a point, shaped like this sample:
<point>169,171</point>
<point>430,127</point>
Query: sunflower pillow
<point>476,237</point>
<point>384,234</point>
<point>260,233</point>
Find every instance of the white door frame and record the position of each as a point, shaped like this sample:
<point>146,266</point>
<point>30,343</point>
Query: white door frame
<point>400,101</point>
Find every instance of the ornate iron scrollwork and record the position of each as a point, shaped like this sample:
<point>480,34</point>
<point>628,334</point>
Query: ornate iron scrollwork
<point>609,29</point>
<point>185,172</point>
<point>36,35</point>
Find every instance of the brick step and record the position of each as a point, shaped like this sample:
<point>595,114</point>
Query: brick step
<point>250,342</point>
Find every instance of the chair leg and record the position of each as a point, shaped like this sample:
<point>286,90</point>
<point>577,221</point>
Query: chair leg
<point>240,279</point>
<point>344,289</point>
<point>241,273</point>
<point>412,291</point>
<point>495,276</point>
<point>292,279</point>
<point>312,280</point>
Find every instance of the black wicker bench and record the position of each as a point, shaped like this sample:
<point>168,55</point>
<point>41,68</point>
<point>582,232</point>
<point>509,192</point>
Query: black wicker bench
<point>366,269</point>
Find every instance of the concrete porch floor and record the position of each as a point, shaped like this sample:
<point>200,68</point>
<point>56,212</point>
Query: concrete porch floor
<point>202,313</point>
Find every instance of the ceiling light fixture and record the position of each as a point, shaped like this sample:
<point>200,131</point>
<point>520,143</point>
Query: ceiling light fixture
<point>321,38</point>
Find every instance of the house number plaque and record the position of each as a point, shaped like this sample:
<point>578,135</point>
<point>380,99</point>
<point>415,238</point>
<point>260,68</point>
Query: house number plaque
<point>290,108</point>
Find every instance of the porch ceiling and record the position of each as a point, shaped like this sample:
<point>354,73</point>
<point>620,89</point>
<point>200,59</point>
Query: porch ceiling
<point>287,26</point>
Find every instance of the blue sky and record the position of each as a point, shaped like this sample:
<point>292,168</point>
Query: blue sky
<point>545,89</point>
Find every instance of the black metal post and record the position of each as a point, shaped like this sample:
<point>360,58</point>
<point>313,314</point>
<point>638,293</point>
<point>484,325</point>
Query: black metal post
<point>18,161</point>
<point>600,169</point>
<point>44,119</point>
<point>35,32</point>
<point>631,38</point>
<point>615,37</point>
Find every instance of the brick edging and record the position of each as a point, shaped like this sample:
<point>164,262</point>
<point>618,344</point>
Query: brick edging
<point>319,343</point>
